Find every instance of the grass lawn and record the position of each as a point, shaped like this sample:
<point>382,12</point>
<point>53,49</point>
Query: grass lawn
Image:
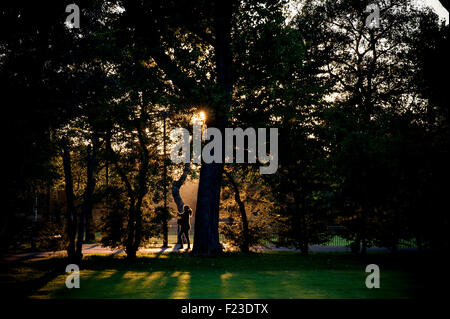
<point>263,275</point>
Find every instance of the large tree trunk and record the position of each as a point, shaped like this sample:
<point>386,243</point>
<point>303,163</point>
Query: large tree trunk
<point>206,230</point>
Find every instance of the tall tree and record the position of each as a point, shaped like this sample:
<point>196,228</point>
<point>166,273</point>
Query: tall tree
<point>376,108</point>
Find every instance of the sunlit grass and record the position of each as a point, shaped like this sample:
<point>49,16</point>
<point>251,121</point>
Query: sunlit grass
<point>267,275</point>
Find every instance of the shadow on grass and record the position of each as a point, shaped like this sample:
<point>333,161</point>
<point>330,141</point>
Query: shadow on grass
<point>21,279</point>
<point>233,275</point>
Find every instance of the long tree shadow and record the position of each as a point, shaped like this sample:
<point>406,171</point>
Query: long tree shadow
<point>41,272</point>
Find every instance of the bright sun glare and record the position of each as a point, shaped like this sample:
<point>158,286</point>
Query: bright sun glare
<point>199,118</point>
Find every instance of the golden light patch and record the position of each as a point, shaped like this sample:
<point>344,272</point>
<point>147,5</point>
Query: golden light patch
<point>182,289</point>
<point>226,276</point>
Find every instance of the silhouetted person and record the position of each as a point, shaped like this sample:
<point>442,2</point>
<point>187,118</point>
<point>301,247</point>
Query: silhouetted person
<point>185,222</point>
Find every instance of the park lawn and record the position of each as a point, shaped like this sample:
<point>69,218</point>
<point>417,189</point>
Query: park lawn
<point>263,275</point>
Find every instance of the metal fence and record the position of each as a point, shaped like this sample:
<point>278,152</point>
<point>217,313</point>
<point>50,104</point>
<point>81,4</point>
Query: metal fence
<point>337,241</point>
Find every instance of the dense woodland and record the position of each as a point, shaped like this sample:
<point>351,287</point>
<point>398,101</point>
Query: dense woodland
<point>361,111</point>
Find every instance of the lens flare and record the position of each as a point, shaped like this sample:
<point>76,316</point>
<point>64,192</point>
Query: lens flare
<point>202,116</point>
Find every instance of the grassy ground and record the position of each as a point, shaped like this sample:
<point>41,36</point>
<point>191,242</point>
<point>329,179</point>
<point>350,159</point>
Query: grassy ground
<point>265,275</point>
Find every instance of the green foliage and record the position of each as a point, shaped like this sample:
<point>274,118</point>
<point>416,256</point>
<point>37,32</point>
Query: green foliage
<point>259,226</point>
<point>113,220</point>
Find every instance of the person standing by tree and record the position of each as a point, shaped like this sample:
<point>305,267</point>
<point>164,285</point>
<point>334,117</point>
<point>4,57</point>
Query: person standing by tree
<point>185,222</point>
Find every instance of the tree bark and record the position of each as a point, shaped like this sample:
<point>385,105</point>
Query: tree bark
<point>206,230</point>
<point>177,185</point>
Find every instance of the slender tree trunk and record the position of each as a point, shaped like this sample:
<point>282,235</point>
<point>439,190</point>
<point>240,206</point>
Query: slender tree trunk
<point>129,242</point>
<point>177,185</point>
<point>245,247</point>
<point>396,232</point>
<point>79,245</point>
<point>87,205</point>
<point>356,245</point>
<point>419,242</point>
<point>304,248</point>
<point>363,233</point>
<point>304,237</point>
<point>134,231</point>
<point>364,217</point>
<point>90,227</point>
<point>48,199</point>
<point>364,246</point>
<point>143,188</point>
<point>302,229</point>
<point>165,225</point>
<point>71,212</point>
<point>130,248</point>
<point>138,225</point>
<point>206,234</point>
